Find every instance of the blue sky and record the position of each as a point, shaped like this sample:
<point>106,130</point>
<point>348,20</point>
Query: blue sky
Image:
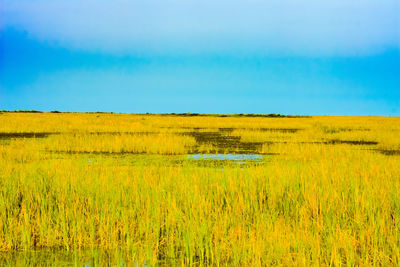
<point>210,56</point>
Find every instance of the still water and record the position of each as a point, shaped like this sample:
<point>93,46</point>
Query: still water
<point>240,158</point>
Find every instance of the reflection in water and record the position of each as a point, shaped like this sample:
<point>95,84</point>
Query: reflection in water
<point>233,157</point>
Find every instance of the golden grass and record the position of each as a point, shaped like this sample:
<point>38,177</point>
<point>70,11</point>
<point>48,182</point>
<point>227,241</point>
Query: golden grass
<point>313,203</point>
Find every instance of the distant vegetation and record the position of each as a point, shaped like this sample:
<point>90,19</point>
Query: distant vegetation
<point>231,115</point>
<point>21,111</point>
<point>188,114</point>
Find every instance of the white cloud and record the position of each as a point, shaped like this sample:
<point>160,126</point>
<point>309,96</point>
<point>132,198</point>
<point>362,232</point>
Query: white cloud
<point>330,27</point>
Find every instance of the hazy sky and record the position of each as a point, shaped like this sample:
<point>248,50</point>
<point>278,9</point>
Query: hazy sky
<point>211,56</point>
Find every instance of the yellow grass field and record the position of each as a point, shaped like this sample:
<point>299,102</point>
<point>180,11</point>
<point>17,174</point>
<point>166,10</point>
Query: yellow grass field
<point>140,189</point>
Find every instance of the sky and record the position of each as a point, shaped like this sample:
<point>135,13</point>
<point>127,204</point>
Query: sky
<point>331,57</point>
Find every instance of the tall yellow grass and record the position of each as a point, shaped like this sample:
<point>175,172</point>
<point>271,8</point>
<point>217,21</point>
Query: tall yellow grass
<point>311,203</point>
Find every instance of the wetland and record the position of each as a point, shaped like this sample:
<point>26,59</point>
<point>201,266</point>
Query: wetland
<point>134,189</point>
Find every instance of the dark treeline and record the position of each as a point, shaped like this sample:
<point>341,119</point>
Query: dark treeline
<point>188,114</point>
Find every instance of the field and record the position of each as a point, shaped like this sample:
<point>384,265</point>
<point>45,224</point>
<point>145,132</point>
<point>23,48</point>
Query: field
<point>198,190</point>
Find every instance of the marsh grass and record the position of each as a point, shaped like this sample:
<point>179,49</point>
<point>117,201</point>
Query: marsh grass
<point>310,203</point>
